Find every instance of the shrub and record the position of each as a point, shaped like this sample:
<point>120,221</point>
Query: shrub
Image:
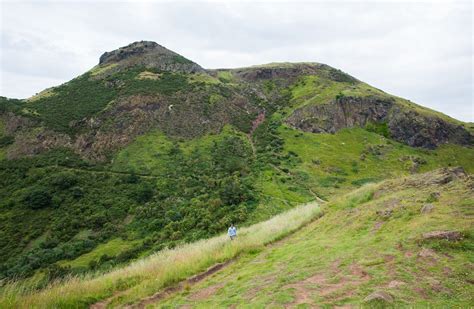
<point>37,198</point>
<point>64,180</point>
<point>6,140</point>
<point>380,128</point>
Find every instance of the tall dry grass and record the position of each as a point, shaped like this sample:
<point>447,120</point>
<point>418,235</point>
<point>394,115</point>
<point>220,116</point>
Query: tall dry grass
<point>148,275</point>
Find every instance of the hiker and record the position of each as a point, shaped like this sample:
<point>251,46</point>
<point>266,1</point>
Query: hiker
<point>232,232</point>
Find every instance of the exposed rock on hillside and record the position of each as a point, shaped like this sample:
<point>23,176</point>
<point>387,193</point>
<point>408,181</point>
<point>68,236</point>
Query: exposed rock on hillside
<point>184,117</point>
<point>339,114</point>
<point>403,124</point>
<point>149,55</point>
<point>448,235</point>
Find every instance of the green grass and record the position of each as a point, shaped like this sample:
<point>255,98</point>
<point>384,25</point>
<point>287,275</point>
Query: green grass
<point>204,78</point>
<point>342,161</point>
<point>98,70</point>
<point>162,269</point>
<point>225,76</point>
<point>148,154</point>
<point>351,252</point>
<point>314,89</point>
<point>111,248</point>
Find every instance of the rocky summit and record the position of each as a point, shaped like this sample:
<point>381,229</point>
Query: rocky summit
<point>147,150</point>
<point>149,55</point>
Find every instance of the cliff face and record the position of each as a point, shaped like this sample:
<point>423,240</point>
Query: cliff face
<point>339,114</point>
<point>404,125</point>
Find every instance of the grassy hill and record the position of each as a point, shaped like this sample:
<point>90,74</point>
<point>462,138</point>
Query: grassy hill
<point>373,240</point>
<point>404,241</point>
<point>148,151</point>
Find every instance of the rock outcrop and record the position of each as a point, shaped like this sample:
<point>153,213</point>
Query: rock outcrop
<point>149,55</point>
<point>404,124</point>
<point>341,113</point>
<point>379,296</point>
<point>447,235</point>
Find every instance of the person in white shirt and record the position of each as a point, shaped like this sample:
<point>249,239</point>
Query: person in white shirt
<point>232,231</point>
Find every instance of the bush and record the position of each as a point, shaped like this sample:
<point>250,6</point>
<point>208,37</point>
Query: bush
<point>37,198</point>
<point>64,180</point>
<point>6,140</point>
<point>378,128</point>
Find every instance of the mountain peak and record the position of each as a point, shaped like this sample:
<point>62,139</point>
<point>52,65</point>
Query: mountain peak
<point>150,55</point>
<point>132,50</point>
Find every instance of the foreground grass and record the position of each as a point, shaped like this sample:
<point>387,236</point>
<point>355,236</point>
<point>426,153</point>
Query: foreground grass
<point>368,240</point>
<point>145,277</point>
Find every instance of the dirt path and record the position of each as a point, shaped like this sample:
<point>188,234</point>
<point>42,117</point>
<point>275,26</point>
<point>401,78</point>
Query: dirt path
<point>173,289</point>
<point>164,293</point>
<point>188,282</point>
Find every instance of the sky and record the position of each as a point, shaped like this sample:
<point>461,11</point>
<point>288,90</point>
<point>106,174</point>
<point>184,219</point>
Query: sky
<point>418,50</point>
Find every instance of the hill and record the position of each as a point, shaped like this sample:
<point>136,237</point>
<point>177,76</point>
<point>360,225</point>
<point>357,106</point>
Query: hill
<point>148,150</point>
<point>404,241</point>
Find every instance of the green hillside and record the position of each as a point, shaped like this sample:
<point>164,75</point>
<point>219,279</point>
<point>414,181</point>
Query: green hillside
<point>402,242</point>
<point>374,239</point>
<point>148,151</point>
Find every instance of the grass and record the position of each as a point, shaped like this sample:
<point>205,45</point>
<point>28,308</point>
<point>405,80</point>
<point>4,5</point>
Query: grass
<point>146,155</point>
<point>351,252</point>
<point>340,162</point>
<point>100,69</point>
<point>225,76</point>
<point>313,89</point>
<point>146,276</point>
<point>48,92</point>
<point>203,78</point>
<point>111,248</point>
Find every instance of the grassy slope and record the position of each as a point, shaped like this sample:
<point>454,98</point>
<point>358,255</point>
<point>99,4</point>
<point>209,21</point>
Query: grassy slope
<point>111,248</point>
<point>351,251</point>
<point>335,163</point>
<point>148,275</point>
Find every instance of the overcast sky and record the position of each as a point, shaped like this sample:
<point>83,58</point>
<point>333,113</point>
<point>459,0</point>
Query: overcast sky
<point>422,51</point>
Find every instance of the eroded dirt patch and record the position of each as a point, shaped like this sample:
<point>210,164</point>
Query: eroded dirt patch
<point>206,292</point>
<point>323,285</point>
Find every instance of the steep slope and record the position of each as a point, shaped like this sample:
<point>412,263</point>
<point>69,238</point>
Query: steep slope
<point>148,150</point>
<point>402,242</point>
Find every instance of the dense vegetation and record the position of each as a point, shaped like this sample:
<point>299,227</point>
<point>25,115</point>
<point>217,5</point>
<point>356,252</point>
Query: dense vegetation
<point>60,211</point>
<point>64,213</point>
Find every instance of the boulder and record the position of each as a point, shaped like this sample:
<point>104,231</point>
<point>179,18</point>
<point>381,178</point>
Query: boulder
<point>447,235</point>
<point>427,208</point>
<point>386,213</point>
<point>379,296</point>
